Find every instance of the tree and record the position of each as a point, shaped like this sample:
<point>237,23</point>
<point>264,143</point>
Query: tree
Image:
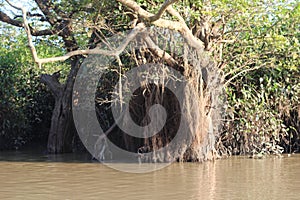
<point>231,32</point>
<point>263,82</point>
<point>62,24</point>
<point>26,104</point>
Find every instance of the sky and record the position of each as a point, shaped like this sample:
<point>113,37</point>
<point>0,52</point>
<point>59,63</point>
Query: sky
<point>4,7</point>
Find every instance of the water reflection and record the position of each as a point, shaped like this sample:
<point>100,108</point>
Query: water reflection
<point>234,178</point>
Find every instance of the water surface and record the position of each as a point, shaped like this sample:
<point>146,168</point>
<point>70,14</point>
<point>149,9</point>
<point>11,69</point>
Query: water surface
<point>26,177</point>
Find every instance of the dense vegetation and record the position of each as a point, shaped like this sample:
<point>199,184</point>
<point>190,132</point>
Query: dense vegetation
<point>255,44</point>
<point>263,97</point>
<point>26,104</point>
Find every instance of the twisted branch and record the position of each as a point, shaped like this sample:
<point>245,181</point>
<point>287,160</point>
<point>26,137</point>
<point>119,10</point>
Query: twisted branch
<point>179,26</point>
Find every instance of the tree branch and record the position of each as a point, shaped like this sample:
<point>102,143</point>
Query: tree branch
<point>31,15</point>
<point>173,25</point>
<point>5,18</point>
<point>244,71</point>
<point>28,31</point>
<point>159,52</point>
<point>39,61</point>
<point>45,6</point>
<point>161,11</point>
<point>60,26</point>
<point>52,82</point>
<point>169,24</point>
<point>176,14</point>
<point>114,52</point>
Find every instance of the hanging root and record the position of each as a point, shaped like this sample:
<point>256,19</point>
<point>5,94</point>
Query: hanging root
<point>198,114</point>
<point>101,149</point>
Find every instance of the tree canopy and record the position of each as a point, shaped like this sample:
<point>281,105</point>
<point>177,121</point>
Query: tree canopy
<point>254,45</point>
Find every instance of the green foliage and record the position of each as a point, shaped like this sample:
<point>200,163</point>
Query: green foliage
<point>25,104</point>
<point>262,65</point>
<point>263,68</point>
<point>258,106</point>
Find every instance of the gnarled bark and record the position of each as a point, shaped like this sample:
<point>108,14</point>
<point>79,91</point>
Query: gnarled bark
<point>62,130</point>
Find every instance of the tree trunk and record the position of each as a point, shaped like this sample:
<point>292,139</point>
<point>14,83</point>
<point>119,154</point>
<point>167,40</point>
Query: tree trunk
<point>62,130</point>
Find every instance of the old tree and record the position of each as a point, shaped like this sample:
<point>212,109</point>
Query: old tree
<point>227,38</point>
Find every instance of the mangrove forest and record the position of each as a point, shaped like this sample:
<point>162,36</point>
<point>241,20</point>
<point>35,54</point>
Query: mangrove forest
<point>165,80</point>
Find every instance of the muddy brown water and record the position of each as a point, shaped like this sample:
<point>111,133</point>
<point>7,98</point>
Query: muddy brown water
<point>23,176</point>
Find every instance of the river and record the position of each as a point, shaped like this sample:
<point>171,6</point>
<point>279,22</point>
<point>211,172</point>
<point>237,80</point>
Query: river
<point>23,176</point>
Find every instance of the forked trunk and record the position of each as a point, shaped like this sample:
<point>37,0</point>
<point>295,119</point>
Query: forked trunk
<point>62,130</point>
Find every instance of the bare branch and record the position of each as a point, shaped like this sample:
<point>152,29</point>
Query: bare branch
<point>12,5</point>
<point>28,31</point>
<point>242,72</point>
<point>45,6</point>
<point>226,41</point>
<point>161,11</point>
<point>247,63</point>
<point>176,14</point>
<point>114,52</point>
<point>173,25</point>
<point>5,18</point>
<point>169,24</point>
<point>39,61</point>
<point>159,52</point>
<point>38,15</point>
